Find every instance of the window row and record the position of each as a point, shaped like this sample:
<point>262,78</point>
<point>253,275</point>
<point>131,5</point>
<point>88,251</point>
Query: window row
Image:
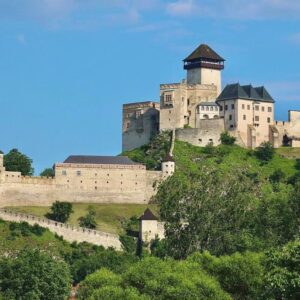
<point>211,108</point>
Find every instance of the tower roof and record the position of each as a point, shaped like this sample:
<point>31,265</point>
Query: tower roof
<point>204,52</point>
<point>247,92</point>
<point>148,216</point>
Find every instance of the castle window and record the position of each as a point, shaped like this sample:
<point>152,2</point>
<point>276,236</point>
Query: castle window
<point>269,109</point>
<point>216,108</point>
<point>80,181</point>
<point>64,172</point>
<point>248,107</point>
<point>257,118</point>
<point>244,117</point>
<point>202,107</point>
<point>200,140</point>
<point>230,117</point>
<point>207,108</point>
<point>188,102</point>
<point>243,106</point>
<point>95,181</point>
<point>221,108</point>
<point>107,181</point>
<point>256,107</point>
<point>78,173</point>
<point>211,108</point>
<point>168,98</point>
<point>262,108</point>
<point>226,107</point>
<point>269,120</point>
<point>95,187</point>
<point>231,126</point>
<point>232,106</point>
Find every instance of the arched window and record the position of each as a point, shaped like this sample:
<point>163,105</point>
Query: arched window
<point>205,116</point>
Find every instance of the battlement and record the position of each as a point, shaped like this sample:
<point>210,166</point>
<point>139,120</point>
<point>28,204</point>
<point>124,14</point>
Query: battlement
<point>100,166</point>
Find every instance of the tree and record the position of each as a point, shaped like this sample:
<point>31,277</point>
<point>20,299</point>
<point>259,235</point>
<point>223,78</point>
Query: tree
<point>265,152</point>
<point>207,211</point>
<point>48,172</point>
<point>17,162</point>
<point>227,139</point>
<point>283,272</point>
<point>88,221</point>
<point>34,275</point>
<point>60,211</point>
<point>241,275</point>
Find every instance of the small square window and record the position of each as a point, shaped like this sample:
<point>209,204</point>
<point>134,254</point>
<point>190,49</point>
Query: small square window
<point>230,117</point>
<point>269,120</point>
<point>226,107</point>
<point>243,106</point>
<point>269,109</point>
<point>232,106</point>
<point>256,107</point>
<point>244,117</point>
<point>248,107</point>
<point>64,172</point>
<point>257,118</point>
<point>262,108</point>
<point>78,173</point>
<point>221,108</point>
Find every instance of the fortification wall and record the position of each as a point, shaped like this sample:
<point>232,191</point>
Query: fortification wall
<point>124,186</point>
<point>209,131</point>
<point>68,232</point>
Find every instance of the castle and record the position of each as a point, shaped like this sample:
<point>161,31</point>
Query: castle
<point>199,110</point>
<point>196,110</point>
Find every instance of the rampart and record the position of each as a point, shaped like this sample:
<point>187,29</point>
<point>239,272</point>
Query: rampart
<point>68,232</point>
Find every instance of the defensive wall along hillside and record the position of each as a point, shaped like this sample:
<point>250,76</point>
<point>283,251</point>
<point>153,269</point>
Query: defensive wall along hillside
<point>81,179</point>
<point>68,232</point>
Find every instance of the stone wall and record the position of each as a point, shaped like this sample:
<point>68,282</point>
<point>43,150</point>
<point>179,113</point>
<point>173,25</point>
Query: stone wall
<point>68,232</point>
<point>209,131</point>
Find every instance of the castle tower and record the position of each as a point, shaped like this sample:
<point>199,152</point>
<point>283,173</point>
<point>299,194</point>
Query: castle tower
<point>168,166</point>
<point>204,66</point>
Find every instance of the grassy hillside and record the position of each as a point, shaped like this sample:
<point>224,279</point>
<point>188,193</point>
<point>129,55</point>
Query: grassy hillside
<point>14,238</point>
<point>109,217</point>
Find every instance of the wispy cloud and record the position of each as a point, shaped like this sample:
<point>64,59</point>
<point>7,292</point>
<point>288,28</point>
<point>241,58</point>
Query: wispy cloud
<point>235,9</point>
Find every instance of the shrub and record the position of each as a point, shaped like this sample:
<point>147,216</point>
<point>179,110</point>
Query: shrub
<point>227,139</point>
<point>265,152</point>
<point>60,211</point>
<point>89,221</point>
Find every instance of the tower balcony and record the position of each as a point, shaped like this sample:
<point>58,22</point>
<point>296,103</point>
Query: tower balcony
<point>204,64</point>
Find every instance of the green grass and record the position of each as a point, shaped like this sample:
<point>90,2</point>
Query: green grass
<point>108,216</point>
<point>292,153</point>
<point>227,158</point>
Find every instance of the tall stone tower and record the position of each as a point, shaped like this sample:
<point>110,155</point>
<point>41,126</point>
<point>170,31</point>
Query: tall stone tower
<point>204,66</point>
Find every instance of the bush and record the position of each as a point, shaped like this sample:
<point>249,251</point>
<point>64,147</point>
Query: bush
<point>88,221</point>
<point>277,176</point>
<point>60,211</point>
<point>265,152</point>
<point>227,139</point>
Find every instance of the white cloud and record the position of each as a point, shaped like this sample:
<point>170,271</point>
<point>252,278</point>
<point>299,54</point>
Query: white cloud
<point>182,8</point>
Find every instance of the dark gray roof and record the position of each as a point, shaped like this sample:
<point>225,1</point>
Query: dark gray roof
<point>204,52</point>
<point>246,92</point>
<point>87,159</point>
<point>207,104</point>
<point>148,215</point>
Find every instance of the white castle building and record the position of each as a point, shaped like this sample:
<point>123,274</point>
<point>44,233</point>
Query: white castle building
<point>199,110</point>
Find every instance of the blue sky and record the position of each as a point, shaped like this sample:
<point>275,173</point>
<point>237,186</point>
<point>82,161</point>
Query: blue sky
<point>67,66</point>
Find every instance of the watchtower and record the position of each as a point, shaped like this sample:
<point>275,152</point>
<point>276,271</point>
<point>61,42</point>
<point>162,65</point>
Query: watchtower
<point>204,66</point>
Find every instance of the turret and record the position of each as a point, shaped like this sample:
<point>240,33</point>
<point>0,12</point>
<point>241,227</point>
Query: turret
<point>168,166</point>
<point>204,66</point>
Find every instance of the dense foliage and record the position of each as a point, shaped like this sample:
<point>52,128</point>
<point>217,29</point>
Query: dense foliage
<point>34,275</point>
<point>222,199</point>
<point>18,162</point>
<point>60,211</point>
<point>152,154</point>
<point>48,172</point>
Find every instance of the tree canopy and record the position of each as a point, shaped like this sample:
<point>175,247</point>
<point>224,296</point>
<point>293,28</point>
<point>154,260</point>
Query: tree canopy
<point>48,172</point>
<point>34,275</point>
<point>60,211</point>
<point>18,162</point>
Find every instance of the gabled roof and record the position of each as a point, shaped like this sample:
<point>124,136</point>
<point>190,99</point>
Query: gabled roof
<point>204,52</point>
<point>246,92</point>
<point>87,159</point>
<point>148,216</point>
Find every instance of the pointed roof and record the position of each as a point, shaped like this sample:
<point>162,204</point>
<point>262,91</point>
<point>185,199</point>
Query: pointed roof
<point>148,216</point>
<point>247,92</point>
<point>204,52</point>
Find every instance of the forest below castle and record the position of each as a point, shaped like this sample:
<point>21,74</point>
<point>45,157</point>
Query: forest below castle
<point>232,219</point>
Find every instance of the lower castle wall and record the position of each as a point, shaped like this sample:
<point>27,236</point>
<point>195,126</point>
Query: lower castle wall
<point>28,191</point>
<point>69,233</point>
